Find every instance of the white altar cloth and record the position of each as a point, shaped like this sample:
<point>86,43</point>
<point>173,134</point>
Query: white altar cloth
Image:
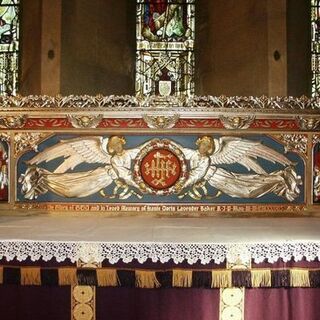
<point>159,239</point>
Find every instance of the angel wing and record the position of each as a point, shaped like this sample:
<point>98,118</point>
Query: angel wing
<point>230,150</point>
<point>74,152</point>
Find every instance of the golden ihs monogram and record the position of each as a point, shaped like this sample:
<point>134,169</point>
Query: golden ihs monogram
<point>161,168</point>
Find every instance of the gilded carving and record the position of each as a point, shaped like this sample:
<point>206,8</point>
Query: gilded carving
<point>162,102</point>
<point>85,121</point>
<point>27,141</point>
<point>157,167</point>
<point>315,139</point>
<point>160,121</point>
<point>13,122</point>
<point>4,136</point>
<point>308,123</point>
<point>295,142</point>
<point>253,103</point>
<point>126,102</point>
<point>237,122</point>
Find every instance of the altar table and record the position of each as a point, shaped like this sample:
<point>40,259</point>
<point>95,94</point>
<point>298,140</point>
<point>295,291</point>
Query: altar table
<point>62,267</point>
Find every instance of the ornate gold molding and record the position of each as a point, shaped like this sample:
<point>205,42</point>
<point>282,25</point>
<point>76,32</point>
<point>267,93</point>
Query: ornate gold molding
<point>236,122</point>
<point>295,142</point>
<point>126,102</point>
<point>254,103</point>
<point>4,136</point>
<point>13,122</point>
<point>27,141</point>
<point>308,123</point>
<point>315,139</point>
<point>166,102</point>
<point>161,121</point>
<point>85,121</point>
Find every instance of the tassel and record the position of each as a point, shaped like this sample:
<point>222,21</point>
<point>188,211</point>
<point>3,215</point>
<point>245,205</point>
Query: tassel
<point>1,275</point>
<point>299,278</point>
<point>107,277</point>
<point>260,278</point>
<point>30,276</point>
<point>146,279</point>
<point>221,279</point>
<point>68,276</point>
<point>182,278</point>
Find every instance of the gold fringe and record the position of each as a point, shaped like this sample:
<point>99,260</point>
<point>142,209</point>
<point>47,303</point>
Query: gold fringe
<point>146,279</point>
<point>182,278</point>
<point>260,278</point>
<point>1,275</point>
<point>299,278</point>
<point>67,276</point>
<point>221,279</point>
<point>107,277</point>
<point>30,276</point>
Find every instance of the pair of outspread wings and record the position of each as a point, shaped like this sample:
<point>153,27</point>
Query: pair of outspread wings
<point>93,150</point>
<point>232,150</point>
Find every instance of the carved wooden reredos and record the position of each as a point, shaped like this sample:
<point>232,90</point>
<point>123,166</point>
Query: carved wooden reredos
<point>160,155</point>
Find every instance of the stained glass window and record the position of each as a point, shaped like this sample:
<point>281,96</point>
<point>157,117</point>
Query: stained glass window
<point>9,46</point>
<point>165,42</point>
<point>315,46</point>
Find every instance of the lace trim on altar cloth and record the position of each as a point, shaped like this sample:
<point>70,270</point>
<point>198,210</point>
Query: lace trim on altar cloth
<point>164,252</point>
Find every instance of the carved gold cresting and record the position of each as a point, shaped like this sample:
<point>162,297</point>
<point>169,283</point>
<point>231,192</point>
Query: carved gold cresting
<point>295,142</point>
<point>85,121</point>
<point>126,102</point>
<point>161,121</point>
<point>236,122</point>
<point>161,102</point>
<point>27,141</point>
<point>13,122</point>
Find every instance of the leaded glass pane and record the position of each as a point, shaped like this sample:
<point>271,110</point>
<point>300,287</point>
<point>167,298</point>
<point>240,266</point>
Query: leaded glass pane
<point>9,46</point>
<point>165,42</point>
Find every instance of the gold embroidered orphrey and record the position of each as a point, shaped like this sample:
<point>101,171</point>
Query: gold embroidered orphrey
<point>121,168</point>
